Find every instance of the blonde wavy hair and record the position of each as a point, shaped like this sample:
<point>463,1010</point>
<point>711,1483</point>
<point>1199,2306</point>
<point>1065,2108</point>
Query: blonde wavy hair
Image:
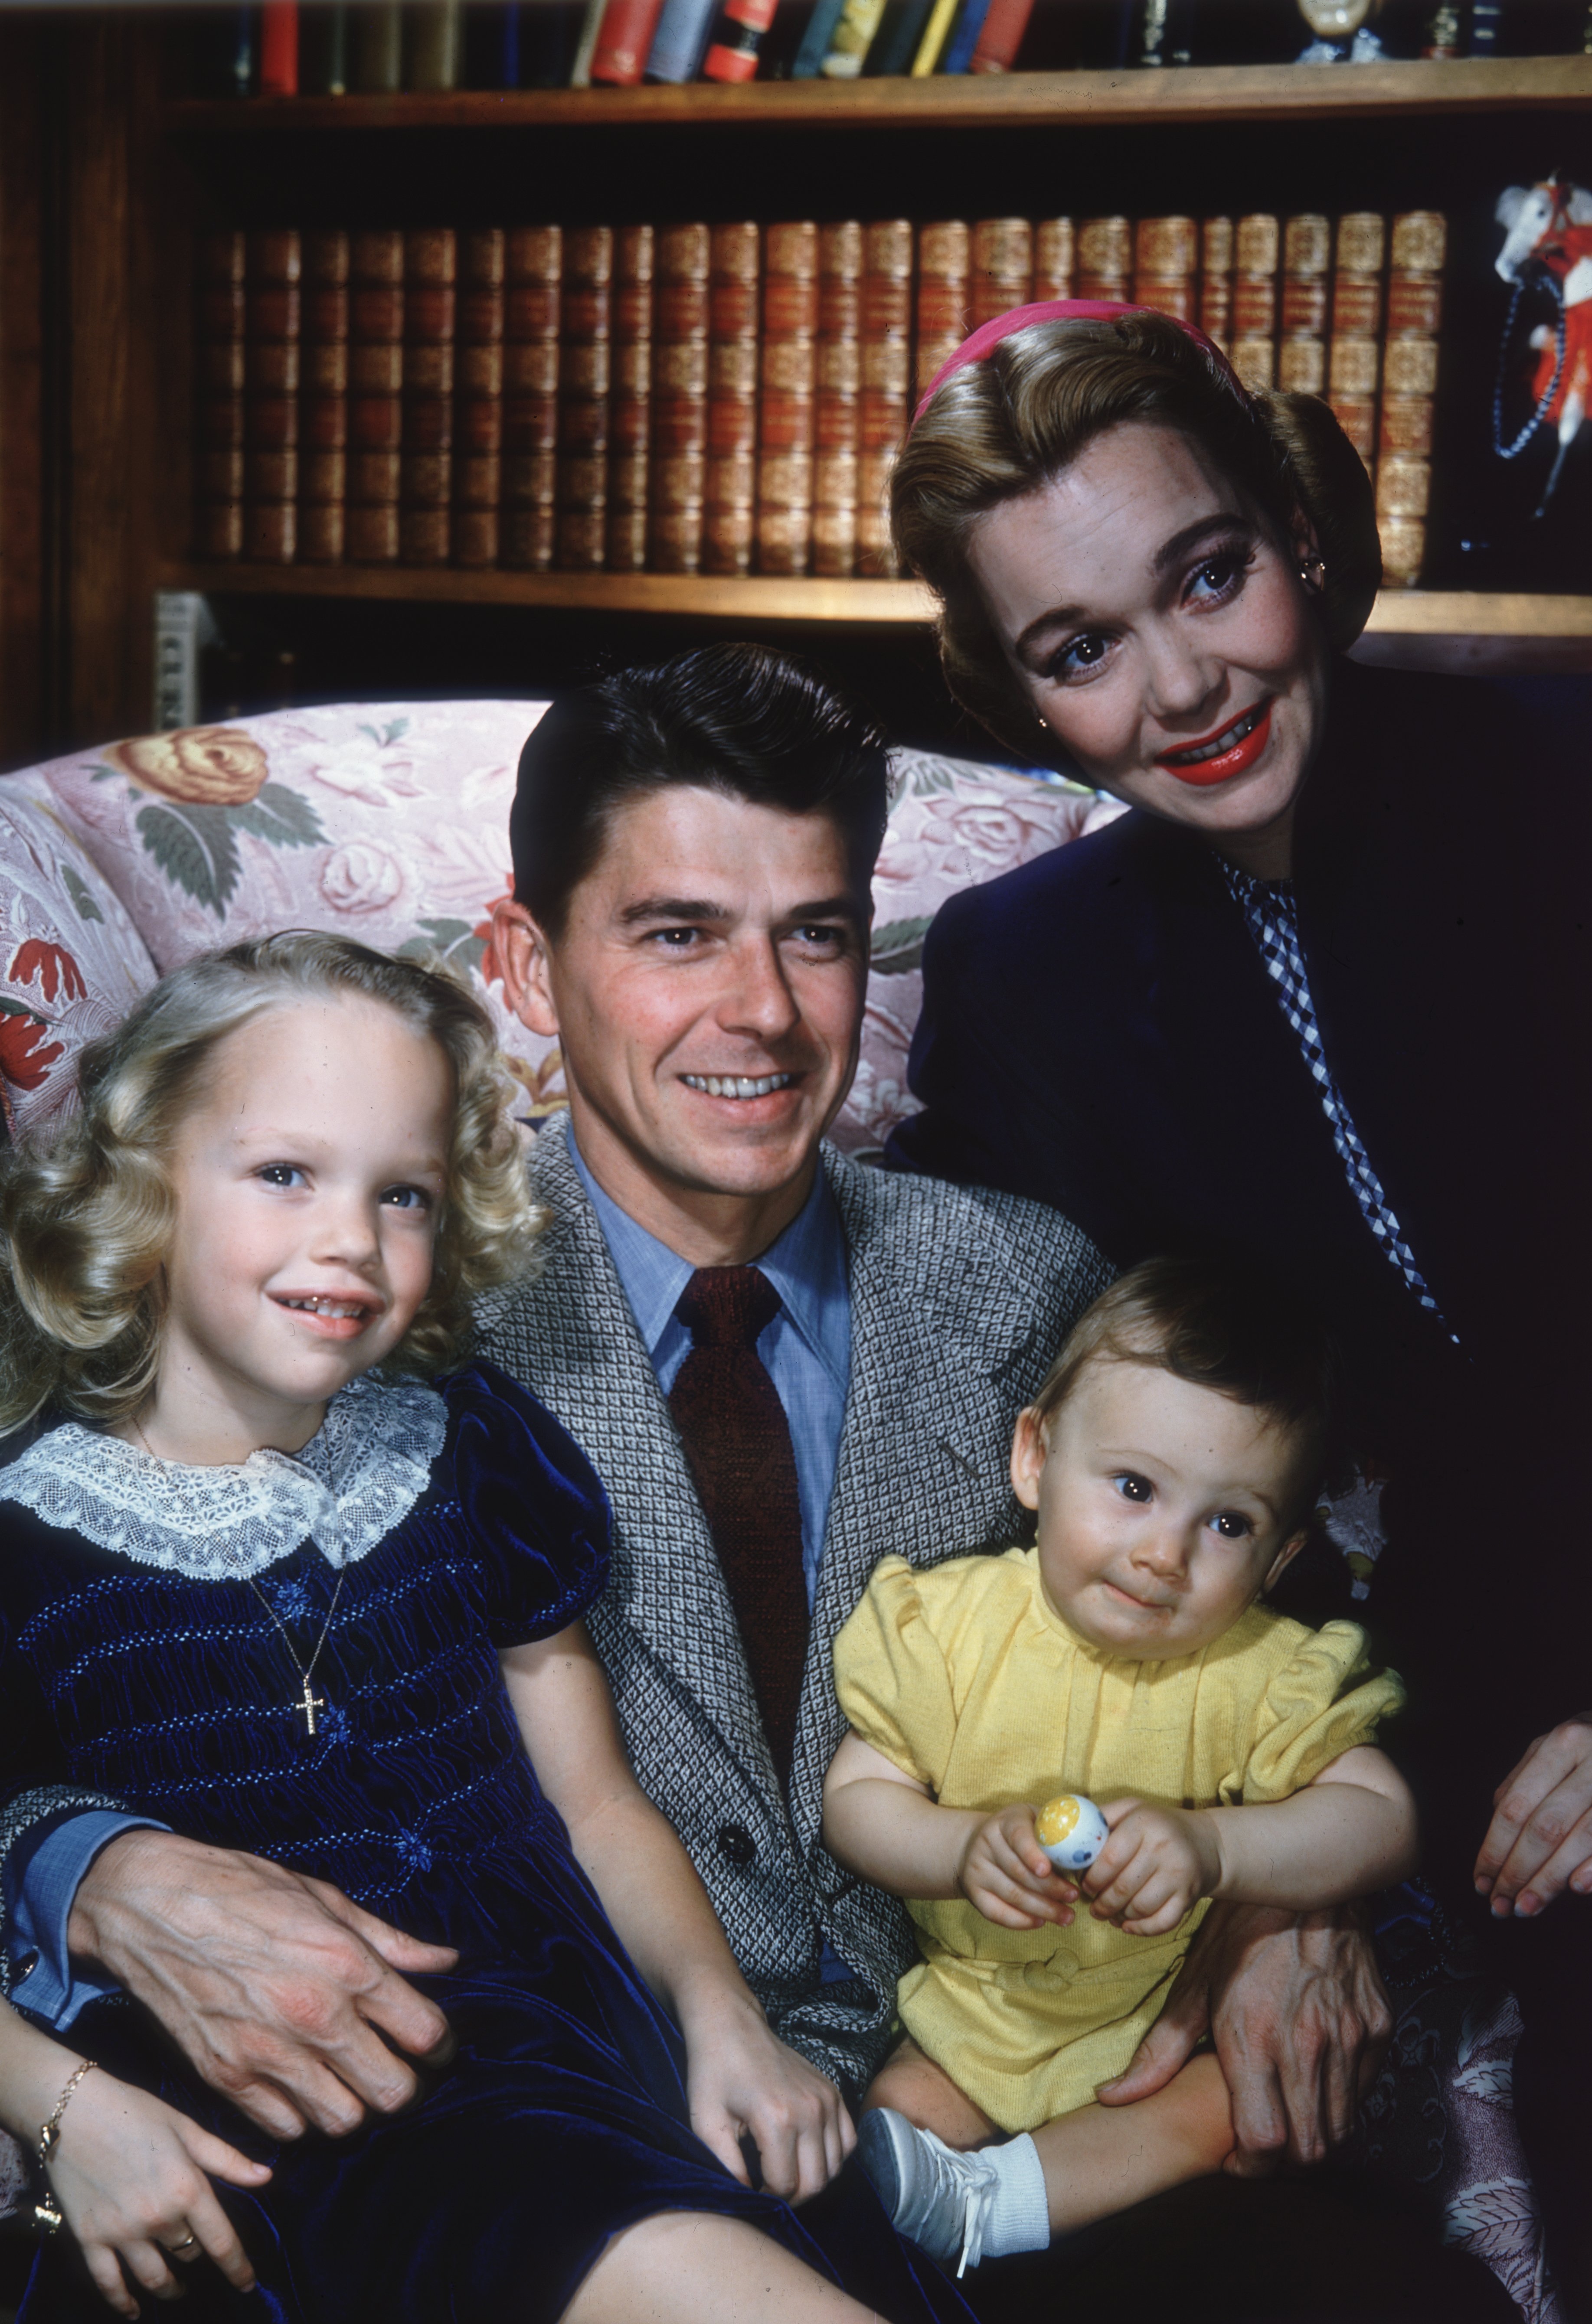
<point>1003,426</point>
<point>86,1220</point>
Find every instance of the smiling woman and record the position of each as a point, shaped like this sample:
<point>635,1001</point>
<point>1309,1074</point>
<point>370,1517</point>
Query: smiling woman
<point>1314,999</point>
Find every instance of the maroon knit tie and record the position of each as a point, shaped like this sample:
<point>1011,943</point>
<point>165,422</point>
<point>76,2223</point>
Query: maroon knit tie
<point>738,1443</point>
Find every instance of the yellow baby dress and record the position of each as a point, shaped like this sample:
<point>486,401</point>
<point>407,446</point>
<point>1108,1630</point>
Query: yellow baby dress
<point>966,1678</point>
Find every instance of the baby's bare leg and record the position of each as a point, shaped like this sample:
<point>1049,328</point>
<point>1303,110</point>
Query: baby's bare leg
<point>925,2093</point>
<point>1102,2158</point>
<point>694,2267</point>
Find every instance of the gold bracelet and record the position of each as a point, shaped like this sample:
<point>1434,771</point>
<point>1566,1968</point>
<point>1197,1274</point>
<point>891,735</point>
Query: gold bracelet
<point>47,2214</point>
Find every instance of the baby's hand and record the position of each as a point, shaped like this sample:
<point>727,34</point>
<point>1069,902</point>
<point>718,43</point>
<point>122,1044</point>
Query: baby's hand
<point>1008,1875</point>
<point>130,2177</point>
<point>1156,1866</point>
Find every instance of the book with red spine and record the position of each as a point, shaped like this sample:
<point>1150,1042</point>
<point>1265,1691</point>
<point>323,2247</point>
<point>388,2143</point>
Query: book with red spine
<point>279,48</point>
<point>532,304</point>
<point>788,377</point>
<point>218,406</point>
<point>323,409</point>
<point>1353,350</point>
<point>620,56</point>
<point>478,415</point>
<point>431,304</point>
<point>1215,281</point>
<point>1055,258</point>
<point>676,482</point>
<point>273,302</point>
<point>1417,253</point>
<point>837,404</point>
<point>729,482</point>
<point>944,296</point>
<point>736,41</point>
<point>1104,257</point>
<point>1166,257</point>
<point>1000,38</point>
<point>585,362</point>
<point>375,397</point>
<point>1257,249</point>
<point>886,374</point>
<point>630,407</point>
<point>1002,267</point>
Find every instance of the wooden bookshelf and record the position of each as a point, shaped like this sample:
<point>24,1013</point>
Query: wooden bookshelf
<point>1195,94</point>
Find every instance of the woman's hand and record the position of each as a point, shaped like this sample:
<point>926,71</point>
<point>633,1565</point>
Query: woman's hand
<point>1007,1875</point>
<point>130,2175</point>
<point>1155,1869</point>
<point>743,2082</point>
<point>1539,1840</point>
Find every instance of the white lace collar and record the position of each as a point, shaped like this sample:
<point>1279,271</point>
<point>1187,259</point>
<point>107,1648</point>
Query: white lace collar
<point>365,1468</point>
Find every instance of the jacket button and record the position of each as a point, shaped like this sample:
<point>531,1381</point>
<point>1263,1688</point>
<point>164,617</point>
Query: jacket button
<point>736,1845</point>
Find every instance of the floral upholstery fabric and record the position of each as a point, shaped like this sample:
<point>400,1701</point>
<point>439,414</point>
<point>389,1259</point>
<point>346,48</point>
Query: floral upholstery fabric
<point>391,823</point>
<point>71,962</point>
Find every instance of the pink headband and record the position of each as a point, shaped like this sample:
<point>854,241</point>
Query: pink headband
<point>988,336</point>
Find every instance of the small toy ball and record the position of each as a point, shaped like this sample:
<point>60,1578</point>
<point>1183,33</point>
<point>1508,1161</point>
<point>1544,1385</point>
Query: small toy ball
<point>1073,1831</point>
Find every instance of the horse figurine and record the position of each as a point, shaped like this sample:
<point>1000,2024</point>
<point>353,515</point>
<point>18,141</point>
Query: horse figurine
<point>1548,238</point>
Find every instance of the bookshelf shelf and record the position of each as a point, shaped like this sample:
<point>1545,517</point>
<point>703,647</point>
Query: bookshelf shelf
<point>1563,621</point>
<point>1210,93</point>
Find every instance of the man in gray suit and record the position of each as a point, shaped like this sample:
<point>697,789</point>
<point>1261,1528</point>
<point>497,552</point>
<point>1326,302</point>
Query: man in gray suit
<point>693,850</point>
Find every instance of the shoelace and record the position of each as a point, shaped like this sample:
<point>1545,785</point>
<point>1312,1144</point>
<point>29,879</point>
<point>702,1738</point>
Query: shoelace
<point>971,2179</point>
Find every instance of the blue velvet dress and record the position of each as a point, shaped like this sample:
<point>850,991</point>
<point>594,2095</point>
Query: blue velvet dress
<point>563,2118</point>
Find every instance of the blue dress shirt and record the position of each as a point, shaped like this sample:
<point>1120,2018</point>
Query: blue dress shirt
<point>806,1349</point>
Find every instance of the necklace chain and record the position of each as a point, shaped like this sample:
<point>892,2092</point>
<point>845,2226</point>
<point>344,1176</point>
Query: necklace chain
<point>309,1702</point>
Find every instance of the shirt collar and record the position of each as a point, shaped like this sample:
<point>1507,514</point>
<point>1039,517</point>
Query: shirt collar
<point>806,1266</point>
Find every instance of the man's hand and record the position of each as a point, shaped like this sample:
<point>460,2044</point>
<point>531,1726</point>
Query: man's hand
<point>1539,1840</point>
<point>1006,1874</point>
<point>1300,2019</point>
<point>282,1995</point>
<point>1155,1869</point>
<point>744,2082</point>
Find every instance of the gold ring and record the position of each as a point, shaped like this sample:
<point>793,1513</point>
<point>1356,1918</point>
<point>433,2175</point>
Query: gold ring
<point>189,2243</point>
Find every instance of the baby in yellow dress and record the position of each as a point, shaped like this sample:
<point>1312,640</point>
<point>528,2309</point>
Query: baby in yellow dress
<point>1172,1457</point>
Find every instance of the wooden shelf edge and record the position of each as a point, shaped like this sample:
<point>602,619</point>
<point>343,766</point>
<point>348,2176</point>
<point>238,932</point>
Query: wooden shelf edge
<point>1397,614</point>
<point>1194,92</point>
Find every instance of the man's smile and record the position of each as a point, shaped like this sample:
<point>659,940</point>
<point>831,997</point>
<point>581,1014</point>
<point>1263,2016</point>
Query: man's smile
<point>737,1085</point>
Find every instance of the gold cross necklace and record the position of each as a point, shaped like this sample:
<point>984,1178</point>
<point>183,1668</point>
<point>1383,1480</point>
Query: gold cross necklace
<point>309,1702</point>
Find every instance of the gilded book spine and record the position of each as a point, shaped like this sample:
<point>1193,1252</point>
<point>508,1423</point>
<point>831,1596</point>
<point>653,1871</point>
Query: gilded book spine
<point>680,398</point>
<point>789,381</point>
<point>1302,348</point>
<point>1409,383</point>
<point>1055,258</point>
<point>425,476</point>
<point>1258,246</point>
<point>478,460</point>
<point>218,479</point>
<point>945,295</point>
<point>630,407</point>
<point>1215,281</point>
<point>1002,267</point>
<point>376,393</point>
<point>1104,257</point>
<point>836,407</point>
<point>1353,357</point>
<point>727,482</point>
<point>273,315</point>
<point>323,411</point>
<point>584,364</point>
<point>532,301</point>
<point>1166,254</point>
<point>887,379</point>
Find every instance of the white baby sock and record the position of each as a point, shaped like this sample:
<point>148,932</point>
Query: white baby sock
<point>1019,2219</point>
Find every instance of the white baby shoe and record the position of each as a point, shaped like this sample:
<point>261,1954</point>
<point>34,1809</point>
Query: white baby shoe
<point>951,2203</point>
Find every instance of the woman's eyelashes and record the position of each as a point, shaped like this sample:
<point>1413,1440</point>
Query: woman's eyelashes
<point>1079,657</point>
<point>1221,575</point>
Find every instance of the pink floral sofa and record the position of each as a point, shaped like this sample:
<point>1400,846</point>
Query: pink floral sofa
<point>390,821</point>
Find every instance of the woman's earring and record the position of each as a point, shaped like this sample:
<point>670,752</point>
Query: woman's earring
<point>1318,566</point>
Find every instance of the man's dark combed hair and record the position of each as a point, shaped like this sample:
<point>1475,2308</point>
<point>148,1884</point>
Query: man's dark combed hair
<point>740,719</point>
<point>1224,1324</point>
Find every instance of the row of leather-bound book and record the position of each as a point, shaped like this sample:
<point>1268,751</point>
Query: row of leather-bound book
<point>725,398</point>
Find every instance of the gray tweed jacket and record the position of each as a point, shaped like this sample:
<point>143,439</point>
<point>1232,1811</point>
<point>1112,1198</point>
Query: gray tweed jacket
<point>960,1298</point>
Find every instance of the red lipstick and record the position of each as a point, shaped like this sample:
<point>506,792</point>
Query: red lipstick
<point>1228,763</point>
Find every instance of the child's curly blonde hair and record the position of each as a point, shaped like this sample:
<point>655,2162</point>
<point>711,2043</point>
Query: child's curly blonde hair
<point>86,1221</point>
